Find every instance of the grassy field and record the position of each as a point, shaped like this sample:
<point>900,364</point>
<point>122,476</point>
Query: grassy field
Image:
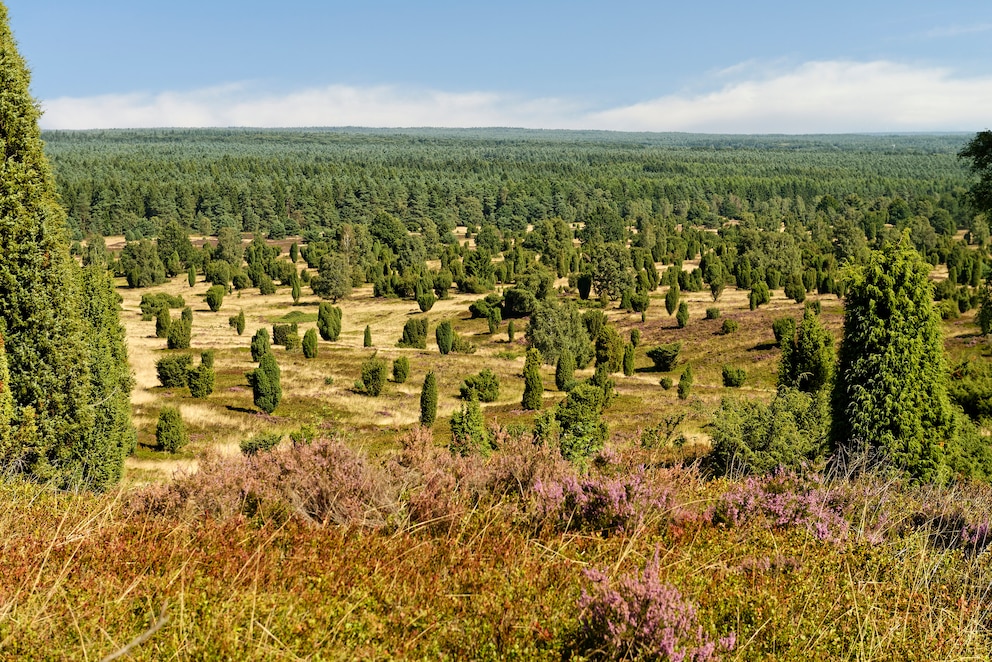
<point>376,543</point>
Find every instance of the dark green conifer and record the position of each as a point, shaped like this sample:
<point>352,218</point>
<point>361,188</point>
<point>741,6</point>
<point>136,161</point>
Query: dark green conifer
<point>260,344</point>
<point>329,321</point>
<point>367,340</point>
<point>170,431</point>
<point>533,387</point>
<point>266,384</point>
<point>428,400</point>
<point>444,336</point>
<point>310,344</point>
<point>564,371</point>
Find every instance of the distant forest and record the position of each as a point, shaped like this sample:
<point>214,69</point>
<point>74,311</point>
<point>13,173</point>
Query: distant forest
<point>312,181</point>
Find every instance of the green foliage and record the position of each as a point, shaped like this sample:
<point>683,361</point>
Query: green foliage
<point>682,318</point>
<point>287,335</point>
<point>666,383</point>
<point>493,320</point>
<point>428,400</point>
<point>712,313</point>
<point>609,349</point>
<point>374,371</point>
<point>685,383</point>
<point>237,322</point>
<point>635,337</point>
<point>970,387</point>
<point>510,331</point>
<point>533,386</point>
<point>266,383</point>
<point>794,288</point>
<point>191,275</point>
<point>215,297</point>
<point>367,337</point>
<point>890,394</point>
<point>558,326</point>
<point>672,299</point>
<point>414,333</point>
<point>483,387</point>
<point>260,443</point>
<point>426,300</point>
<point>170,431</point>
<point>173,371</point>
<point>162,322</point>
<point>729,326</point>
<point>180,331</point>
<point>750,437</point>
<point>6,401</point>
<point>328,321</point>
<point>564,371</point>
<point>665,357</point>
<point>808,358</point>
<point>784,329</point>
<point>151,303</point>
<point>141,264</point>
<point>310,344</point>
<point>577,423</point>
<point>401,369</point>
<point>759,295</point>
<point>733,377</point>
<point>201,381</point>
<point>334,278</point>
<point>444,335</point>
<point>628,360</point>
<point>260,344</point>
<point>468,431</point>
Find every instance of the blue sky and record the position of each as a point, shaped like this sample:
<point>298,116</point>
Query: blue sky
<point>741,67</point>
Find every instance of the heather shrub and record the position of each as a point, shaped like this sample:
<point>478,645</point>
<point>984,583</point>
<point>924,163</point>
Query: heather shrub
<point>595,502</point>
<point>734,377</point>
<point>483,386</point>
<point>414,333</point>
<point>729,326</point>
<point>638,616</point>
<point>260,443</point>
<point>401,369</point>
<point>373,376</point>
<point>173,371</point>
<point>665,357</point>
<point>170,432</point>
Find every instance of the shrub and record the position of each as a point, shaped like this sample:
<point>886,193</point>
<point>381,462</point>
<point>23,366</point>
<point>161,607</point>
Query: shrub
<point>510,331</point>
<point>609,349</point>
<point>179,333</point>
<point>310,344</point>
<point>628,360</point>
<point>215,297</point>
<point>807,361</point>
<point>426,300</point>
<point>401,369</point>
<point>685,383</point>
<point>734,377</point>
<point>260,344</point>
<point>428,400</point>
<point>672,299</point>
<point>237,322</point>
<point>483,386</point>
<point>639,617</point>
<point>665,357</point>
<point>635,337</point>
<point>207,358</point>
<point>162,322</point>
<point>729,326</point>
<point>578,419</point>
<point>150,303</point>
<point>555,326</point>
<point>173,371</point>
<point>493,320</point>
<point>170,432</point>
<point>201,381</point>
<point>260,443</point>
<point>367,338</point>
<point>712,313</point>
<point>445,337</point>
<point>564,371</point>
<point>784,329</point>
<point>533,387</point>
<point>519,302</point>
<point>281,334</point>
<point>682,317</point>
<point>414,333</point>
<point>328,321</point>
<point>759,295</point>
<point>468,431</point>
<point>265,383</point>
<point>666,383</point>
<point>373,376</point>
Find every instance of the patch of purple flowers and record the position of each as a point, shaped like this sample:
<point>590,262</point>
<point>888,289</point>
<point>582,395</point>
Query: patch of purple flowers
<point>600,503</point>
<point>638,615</point>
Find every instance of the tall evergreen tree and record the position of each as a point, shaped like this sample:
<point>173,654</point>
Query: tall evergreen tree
<point>807,361</point>
<point>428,400</point>
<point>533,387</point>
<point>266,384</point>
<point>51,345</point>
<point>890,392</point>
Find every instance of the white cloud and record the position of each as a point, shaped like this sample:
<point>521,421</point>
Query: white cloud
<point>816,97</point>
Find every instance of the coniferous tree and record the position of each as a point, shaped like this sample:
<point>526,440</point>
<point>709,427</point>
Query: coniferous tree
<point>367,340</point>
<point>310,344</point>
<point>533,387</point>
<point>890,392</point>
<point>564,371</point>
<point>215,297</point>
<point>628,360</point>
<point>163,320</point>
<point>807,361</point>
<point>170,431</point>
<point>260,344</point>
<point>401,369</point>
<point>428,400</point>
<point>672,298</point>
<point>444,335</point>
<point>329,321</point>
<point>191,275</point>
<point>265,381</point>
<point>682,317</point>
<point>238,322</point>
<point>50,343</point>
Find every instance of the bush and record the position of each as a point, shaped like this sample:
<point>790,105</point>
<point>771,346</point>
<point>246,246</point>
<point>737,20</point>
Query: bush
<point>414,333</point>
<point>729,326</point>
<point>556,326</point>
<point>265,381</point>
<point>215,297</point>
<point>533,387</point>
<point>310,344</point>
<point>712,313</point>
<point>282,334</point>
<point>426,300</point>
<point>734,377</point>
<point>685,383</point>
<point>401,369</point>
<point>784,329</point>
<point>170,432</point>
<point>578,422</point>
<point>609,349</point>
<point>628,360</point>
<point>665,357</point>
<point>367,338</point>
<point>493,320</point>
<point>428,400</point>
<point>682,317</point>
<point>180,332</point>
<point>635,337</point>
<point>672,299</point>
<point>173,371</point>
<point>564,371</point>
<point>519,302</point>
<point>150,303</point>
<point>666,383</point>
<point>328,321</point>
<point>162,322</point>
<point>444,336</point>
<point>468,431</point>
<point>373,376</point>
<point>237,322</point>
<point>260,344</point>
<point>201,381</point>
<point>260,443</point>
<point>510,331</point>
<point>483,386</point>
